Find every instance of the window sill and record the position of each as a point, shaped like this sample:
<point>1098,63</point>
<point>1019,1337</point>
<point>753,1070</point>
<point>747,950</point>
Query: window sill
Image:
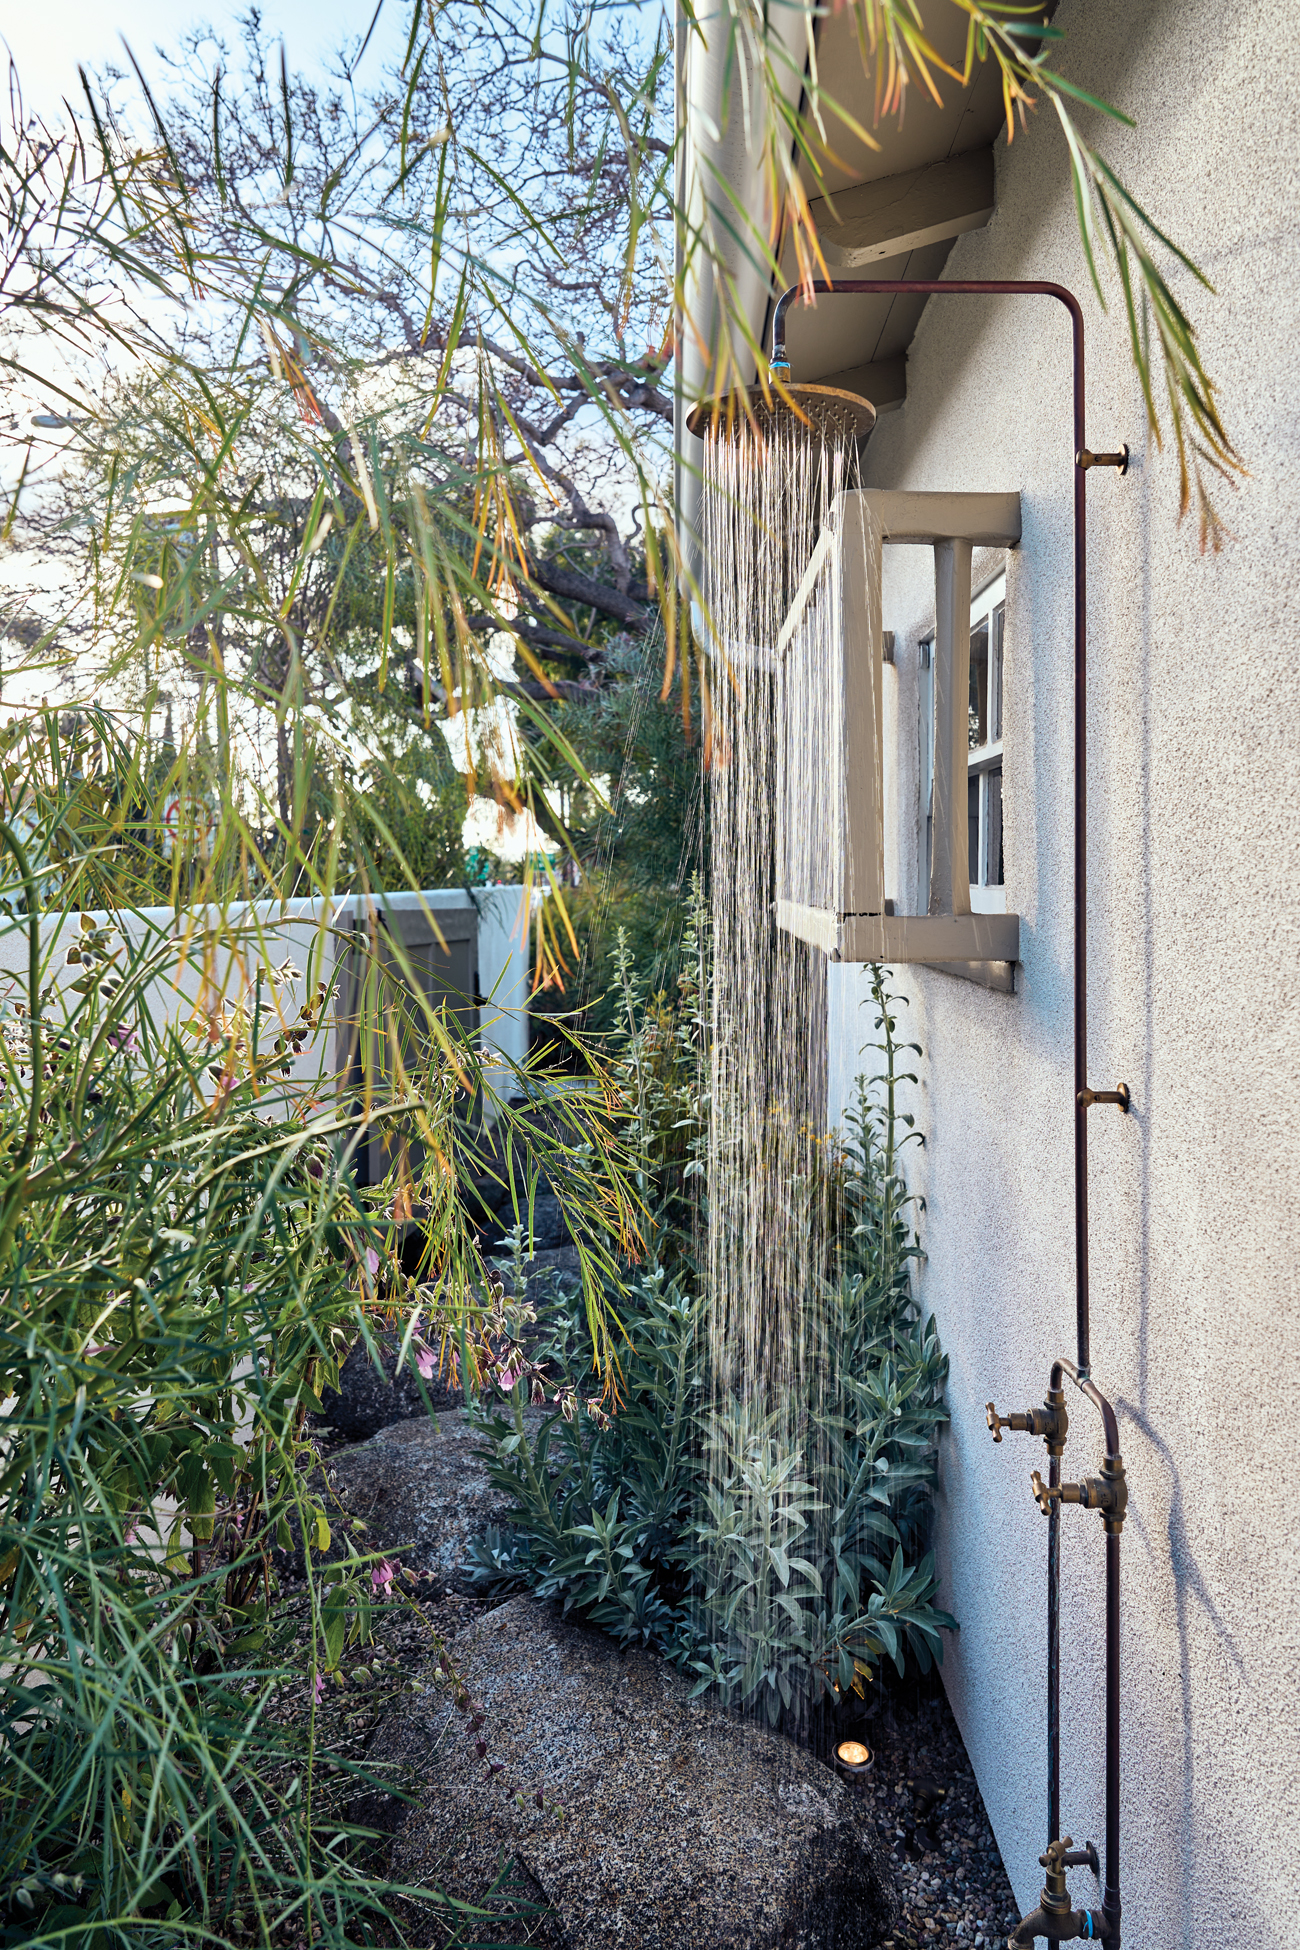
<point>999,975</point>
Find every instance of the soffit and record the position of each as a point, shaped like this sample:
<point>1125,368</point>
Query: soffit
<point>853,331</point>
<point>928,131</point>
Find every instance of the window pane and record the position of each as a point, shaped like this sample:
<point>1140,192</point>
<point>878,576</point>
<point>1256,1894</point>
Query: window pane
<point>993,824</point>
<point>999,623</point>
<point>979,685</point>
<point>973,813</point>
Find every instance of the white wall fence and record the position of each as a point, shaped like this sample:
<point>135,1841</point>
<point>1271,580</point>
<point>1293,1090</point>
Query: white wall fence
<point>207,958</point>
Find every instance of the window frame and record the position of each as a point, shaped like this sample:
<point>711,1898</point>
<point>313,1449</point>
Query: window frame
<point>986,897</point>
<point>986,606</point>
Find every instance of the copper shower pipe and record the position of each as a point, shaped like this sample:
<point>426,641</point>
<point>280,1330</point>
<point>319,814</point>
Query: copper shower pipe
<point>1084,1097</point>
<point>1083,460</point>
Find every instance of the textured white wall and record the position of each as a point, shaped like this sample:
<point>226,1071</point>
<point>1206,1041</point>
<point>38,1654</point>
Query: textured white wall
<point>1194,724</point>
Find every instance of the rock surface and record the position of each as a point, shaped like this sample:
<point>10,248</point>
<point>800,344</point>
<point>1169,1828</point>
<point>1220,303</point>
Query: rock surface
<point>665,1826</point>
<point>424,1484</point>
<point>368,1401</point>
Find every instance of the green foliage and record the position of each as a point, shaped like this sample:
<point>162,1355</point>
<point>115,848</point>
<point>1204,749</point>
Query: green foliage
<point>185,1259</point>
<point>638,846</point>
<point>778,1551</point>
<point>648,747</point>
<point>407,828</point>
<point>179,1270</point>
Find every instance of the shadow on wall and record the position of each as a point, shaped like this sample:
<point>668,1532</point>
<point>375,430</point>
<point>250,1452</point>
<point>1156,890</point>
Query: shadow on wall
<point>1188,1584</point>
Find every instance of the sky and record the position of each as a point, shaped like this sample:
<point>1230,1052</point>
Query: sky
<point>48,38</point>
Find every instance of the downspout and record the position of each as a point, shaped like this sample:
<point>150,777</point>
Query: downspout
<point>715,150</point>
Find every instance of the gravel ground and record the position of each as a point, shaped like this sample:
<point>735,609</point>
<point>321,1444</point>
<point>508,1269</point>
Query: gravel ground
<point>951,1882</point>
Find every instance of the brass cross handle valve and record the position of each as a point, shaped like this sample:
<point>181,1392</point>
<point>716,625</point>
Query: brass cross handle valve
<point>1069,1857</point>
<point>1051,1421</point>
<point>1054,1919</point>
<point>1054,1860</point>
<point>1107,1493</point>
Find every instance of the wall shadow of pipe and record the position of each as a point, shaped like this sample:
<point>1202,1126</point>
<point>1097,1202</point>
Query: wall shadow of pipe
<point>1188,1584</point>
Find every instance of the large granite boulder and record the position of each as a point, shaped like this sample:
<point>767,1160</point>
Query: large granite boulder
<point>663,1824</point>
<point>371,1398</point>
<point>423,1484</point>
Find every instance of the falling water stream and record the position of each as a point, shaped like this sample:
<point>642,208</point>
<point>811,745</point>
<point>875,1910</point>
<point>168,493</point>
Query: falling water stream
<point>773,522</point>
<point>768,492</point>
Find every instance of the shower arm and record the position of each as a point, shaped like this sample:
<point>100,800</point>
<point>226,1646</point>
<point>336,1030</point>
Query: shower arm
<point>1083,460</point>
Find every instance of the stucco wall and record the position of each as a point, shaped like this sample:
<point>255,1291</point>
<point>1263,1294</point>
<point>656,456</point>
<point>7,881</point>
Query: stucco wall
<point>1195,849</point>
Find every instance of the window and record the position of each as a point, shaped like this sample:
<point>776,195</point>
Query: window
<point>984,763</point>
<point>984,766</point>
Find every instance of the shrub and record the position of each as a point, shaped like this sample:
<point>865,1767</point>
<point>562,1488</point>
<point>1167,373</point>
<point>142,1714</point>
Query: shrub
<point>777,1552</point>
<point>186,1259</point>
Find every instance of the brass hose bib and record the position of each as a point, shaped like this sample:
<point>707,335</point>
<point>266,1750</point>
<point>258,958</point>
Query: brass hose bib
<point>1056,1897</point>
<point>1050,1421</point>
<point>1107,1494</point>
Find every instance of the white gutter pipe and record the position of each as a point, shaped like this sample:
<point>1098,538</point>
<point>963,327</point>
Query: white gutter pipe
<point>722,132</point>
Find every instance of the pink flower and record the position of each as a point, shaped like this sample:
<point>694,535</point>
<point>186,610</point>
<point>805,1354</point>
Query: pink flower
<point>425,1359</point>
<point>383,1574</point>
<point>124,1039</point>
<point>507,1379</point>
<point>131,1532</point>
<point>372,1261</point>
<point>319,1689</point>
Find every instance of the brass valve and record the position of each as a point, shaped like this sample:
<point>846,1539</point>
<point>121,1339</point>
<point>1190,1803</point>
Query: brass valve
<point>1050,1421</point>
<point>1044,1496</point>
<point>999,1422</point>
<point>1055,1894</point>
<point>1107,1493</point>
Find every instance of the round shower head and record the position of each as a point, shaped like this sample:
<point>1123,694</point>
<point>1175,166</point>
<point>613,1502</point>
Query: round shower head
<point>824,410</point>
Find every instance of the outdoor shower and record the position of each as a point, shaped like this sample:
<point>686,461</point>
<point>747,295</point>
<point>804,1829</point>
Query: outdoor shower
<point>843,910</point>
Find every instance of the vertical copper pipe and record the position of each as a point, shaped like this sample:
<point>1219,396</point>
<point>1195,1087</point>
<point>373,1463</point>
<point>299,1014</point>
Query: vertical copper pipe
<point>1111,1905</point>
<point>1082,1315</point>
<point>1054,1657</point>
<point>1110,1901</point>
